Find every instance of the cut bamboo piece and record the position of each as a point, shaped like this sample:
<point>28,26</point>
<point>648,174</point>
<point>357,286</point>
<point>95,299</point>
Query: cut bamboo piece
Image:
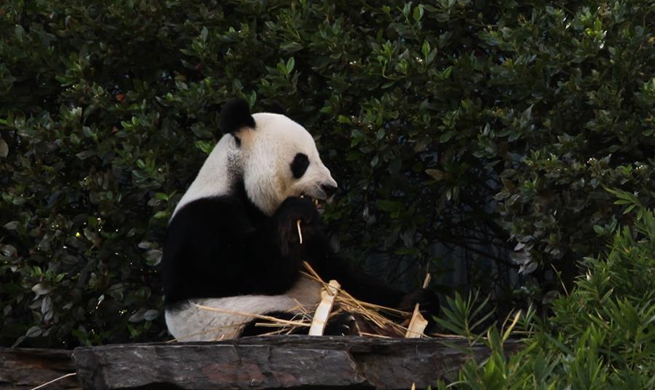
<point>426,281</point>
<point>324,308</point>
<point>417,324</point>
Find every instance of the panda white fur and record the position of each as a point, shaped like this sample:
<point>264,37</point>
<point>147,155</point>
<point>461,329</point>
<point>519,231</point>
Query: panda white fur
<point>233,244</point>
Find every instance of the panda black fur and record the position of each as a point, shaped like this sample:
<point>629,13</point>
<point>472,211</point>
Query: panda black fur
<point>232,242</point>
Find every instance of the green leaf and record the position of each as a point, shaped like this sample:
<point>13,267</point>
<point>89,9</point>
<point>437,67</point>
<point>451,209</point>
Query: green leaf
<point>205,146</point>
<point>446,72</point>
<point>407,8</point>
<point>162,215</point>
<point>8,251</point>
<point>345,120</point>
<point>41,289</point>
<point>418,13</point>
<point>291,47</point>
<point>13,225</point>
<point>445,137</point>
<point>425,49</point>
<point>19,32</point>
<point>291,62</point>
<point>436,174</point>
<point>375,160</point>
<point>4,149</point>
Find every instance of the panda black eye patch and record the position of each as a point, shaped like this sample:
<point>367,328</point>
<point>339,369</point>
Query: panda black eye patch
<point>299,165</point>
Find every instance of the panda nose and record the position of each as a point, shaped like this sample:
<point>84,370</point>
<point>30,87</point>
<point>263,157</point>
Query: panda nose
<point>328,189</point>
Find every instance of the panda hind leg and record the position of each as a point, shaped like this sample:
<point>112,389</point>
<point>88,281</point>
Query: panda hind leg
<point>255,328</point>
<point>343,324</point>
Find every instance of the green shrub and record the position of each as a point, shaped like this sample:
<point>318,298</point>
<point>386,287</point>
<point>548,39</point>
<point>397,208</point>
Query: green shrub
<point>601,336</point>
<point>424,112</point>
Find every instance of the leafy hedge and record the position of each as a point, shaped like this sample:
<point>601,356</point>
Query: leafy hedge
<point>599,337</point>
<point>455,128</point>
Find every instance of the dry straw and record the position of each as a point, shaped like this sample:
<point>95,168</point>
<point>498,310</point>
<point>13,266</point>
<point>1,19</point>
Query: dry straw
<point>375,318</point>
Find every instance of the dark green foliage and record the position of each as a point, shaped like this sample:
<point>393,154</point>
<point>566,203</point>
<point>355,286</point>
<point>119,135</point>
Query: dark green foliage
<point>456,129</point>
<point>601,336</point>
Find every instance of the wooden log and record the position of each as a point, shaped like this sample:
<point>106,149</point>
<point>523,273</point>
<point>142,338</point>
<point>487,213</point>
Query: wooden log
<point>275,362</point>
<point>29,368</point>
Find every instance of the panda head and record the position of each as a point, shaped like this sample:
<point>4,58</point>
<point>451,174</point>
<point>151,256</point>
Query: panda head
<point>273,156</point>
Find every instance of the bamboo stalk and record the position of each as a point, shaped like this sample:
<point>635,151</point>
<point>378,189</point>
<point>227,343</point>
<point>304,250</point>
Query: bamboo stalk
<point>380,336</point>
<point>54,380</point>
<point>299,231</point>
<point>417,324</point>
<point>324,308</point>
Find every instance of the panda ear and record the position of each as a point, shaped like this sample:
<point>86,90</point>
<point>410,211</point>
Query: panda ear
<point>235,115</point>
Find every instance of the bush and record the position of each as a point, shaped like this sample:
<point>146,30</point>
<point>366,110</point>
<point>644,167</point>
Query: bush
<point>600,336</point>
<point>457,130</point>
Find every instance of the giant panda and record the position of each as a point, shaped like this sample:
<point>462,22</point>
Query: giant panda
<point>233,243</point>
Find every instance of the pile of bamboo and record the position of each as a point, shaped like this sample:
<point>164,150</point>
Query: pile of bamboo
<point>372,320</point>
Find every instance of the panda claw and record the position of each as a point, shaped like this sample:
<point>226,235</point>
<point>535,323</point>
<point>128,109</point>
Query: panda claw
<point>343,324</point>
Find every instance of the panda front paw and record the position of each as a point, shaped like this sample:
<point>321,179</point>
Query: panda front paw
<point>296,222</point>
<point>343,324</point>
